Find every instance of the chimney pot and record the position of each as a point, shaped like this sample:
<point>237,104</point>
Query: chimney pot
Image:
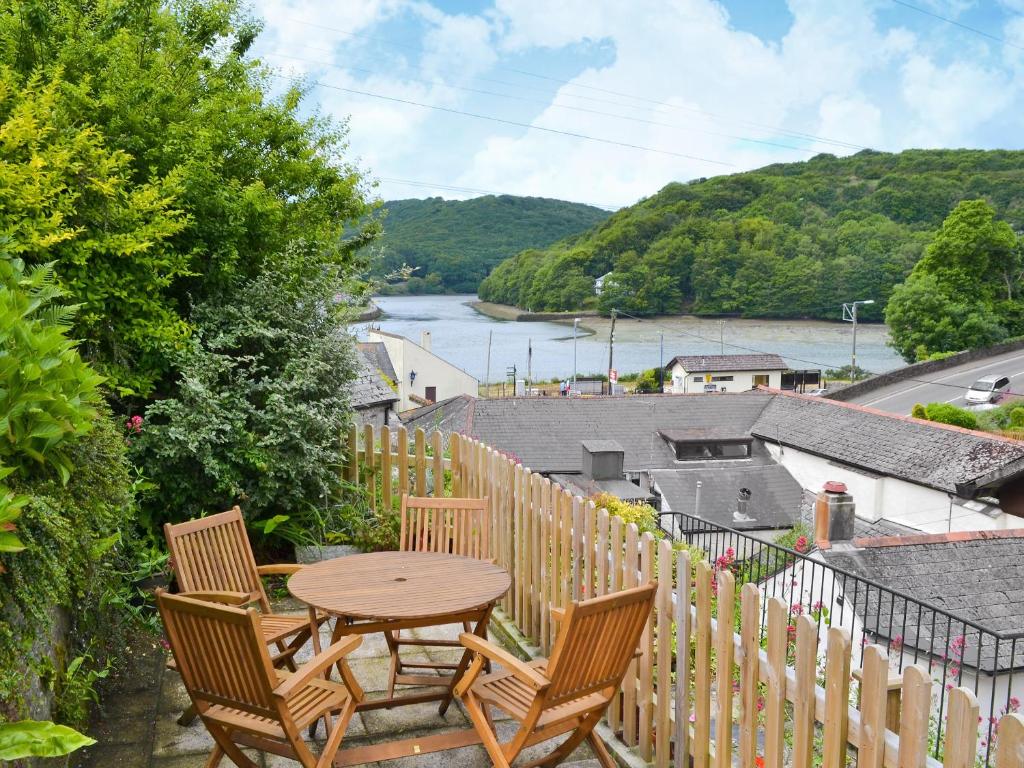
<point>834,486</point>
<point>425,340</point>
<point>834,513</point>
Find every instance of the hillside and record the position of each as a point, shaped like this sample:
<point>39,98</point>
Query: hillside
<point>455,243</point>
<point>787,240</point>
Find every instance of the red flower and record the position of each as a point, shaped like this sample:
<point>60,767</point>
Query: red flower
<point>759,761</point>
<point>801,544</point>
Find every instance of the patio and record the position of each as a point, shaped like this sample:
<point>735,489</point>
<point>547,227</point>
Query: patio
<point>140,730</point>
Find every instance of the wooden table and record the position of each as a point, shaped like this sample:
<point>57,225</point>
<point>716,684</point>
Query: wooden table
<point>388,591</point>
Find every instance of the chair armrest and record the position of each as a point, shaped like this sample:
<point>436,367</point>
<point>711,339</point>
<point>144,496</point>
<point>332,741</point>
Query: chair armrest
<point>315,666</point>
<point>278,569</point>
<point>519,669</point>
<point>557,614</point>
<point>216,596</point>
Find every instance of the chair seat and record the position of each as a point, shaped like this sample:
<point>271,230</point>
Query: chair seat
<point>311,702</point>
<point>515,697</point>
<point>279,627</point>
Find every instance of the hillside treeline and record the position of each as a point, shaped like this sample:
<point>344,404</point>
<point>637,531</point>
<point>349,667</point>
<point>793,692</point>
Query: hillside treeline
<point>453,244</point>
<point>789,240</point>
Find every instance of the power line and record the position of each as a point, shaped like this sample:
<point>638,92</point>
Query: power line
<point>549,104</point>
<point>516,123</point>
<point>956,23</point>
<point>571,84</point>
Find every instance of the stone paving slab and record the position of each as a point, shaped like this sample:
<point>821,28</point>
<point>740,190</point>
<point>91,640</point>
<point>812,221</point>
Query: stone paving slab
<point>138,728</point>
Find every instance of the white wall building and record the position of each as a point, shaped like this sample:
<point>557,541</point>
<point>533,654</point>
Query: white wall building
<point>422,377</point>
<point>725,373</point>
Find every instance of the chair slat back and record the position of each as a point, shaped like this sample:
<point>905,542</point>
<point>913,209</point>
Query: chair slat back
<point>213,554</point>
<point>595,643</point>
<point>455,526</point>
<point>220,653</point>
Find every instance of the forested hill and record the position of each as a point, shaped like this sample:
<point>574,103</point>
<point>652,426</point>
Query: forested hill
<point>455,243</point>
<point>787,240</point>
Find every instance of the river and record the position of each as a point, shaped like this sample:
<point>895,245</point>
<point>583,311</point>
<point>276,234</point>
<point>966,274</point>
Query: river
<point>460,334</point>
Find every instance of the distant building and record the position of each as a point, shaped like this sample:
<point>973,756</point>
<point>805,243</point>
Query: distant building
<point>929,476</point>
<point>372,399</point>
<point>599,283</point>
<point>725,373</point>
<point>421,376</point>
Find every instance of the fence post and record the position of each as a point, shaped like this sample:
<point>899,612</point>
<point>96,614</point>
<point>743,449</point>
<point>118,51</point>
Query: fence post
<point>403,460</point>
<point>646,666</point>
<point>420,462</point>
<point>438,449</point>
<point>837,698</point>
<point>385,469</point>
<point>352,466</point>
<point>683,615</point>
<point>702,661</point>
<point>873,698</point>
<point>368,462</point>
<point>915,711</point>
<point>775,699</point>
<point>961,743</point>
<point>804,695</point>
<point>663,717</point>
<point>750,668</point>
<point>1010,746</point>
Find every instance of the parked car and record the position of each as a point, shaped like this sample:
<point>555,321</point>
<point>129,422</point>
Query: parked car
<point>817,392</point>
<point>987,389</point>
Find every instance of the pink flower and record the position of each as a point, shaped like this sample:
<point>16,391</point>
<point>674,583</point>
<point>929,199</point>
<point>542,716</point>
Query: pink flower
<point>760,703</point>
<point>796,609</point>
<point>818,605</point>
<point>1014,704</point>
<point>134,425</point>
<point>801,544</point>
<point>897,642</point>
<point>164,644</point>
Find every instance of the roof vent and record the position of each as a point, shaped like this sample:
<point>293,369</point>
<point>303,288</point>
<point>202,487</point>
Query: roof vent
<point>603,460</point>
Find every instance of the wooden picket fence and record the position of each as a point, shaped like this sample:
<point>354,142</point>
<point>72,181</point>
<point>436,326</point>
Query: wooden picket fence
<point>701,670</point>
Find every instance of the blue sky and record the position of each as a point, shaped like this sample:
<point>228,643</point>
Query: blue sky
<point>606,102</point>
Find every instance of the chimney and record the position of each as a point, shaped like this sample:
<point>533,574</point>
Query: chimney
<point>742,500</point>
<point>833,514</point>
<point>425,340</point>
<point>603,460</point>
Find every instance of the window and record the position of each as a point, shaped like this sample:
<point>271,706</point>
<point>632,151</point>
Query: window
<point>721,378</point>
<point>698,378</point>
<point>431,394</point>
<point>712,450</point>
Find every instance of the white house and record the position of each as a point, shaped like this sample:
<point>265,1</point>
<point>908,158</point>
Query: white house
<point>422,377</point>
<point>725,373</point>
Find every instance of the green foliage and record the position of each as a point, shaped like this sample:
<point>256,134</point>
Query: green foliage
<point>787,240</point>
<point>847,373</point>
<point>262,403</point>
<point>34,738</point>
<point>950,414</point>
<point>643,515</point>
<point>453,244</point>
<point>963,293</point>
<point>144,157</point>
<point>79,540</point>
<point>649,381</point>
<point>918,411</point>
<point>49,394</point>
<point>1017,417</point>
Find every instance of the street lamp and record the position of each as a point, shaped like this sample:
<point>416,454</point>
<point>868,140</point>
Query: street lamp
<point>850,315</point>
<point>575,325</point>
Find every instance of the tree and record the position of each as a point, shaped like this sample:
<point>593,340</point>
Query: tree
<point>960,294</point>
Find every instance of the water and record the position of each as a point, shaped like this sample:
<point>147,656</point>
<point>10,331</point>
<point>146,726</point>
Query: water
<point>460,336</point>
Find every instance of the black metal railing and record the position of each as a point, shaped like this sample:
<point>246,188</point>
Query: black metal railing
<point>957,651</point>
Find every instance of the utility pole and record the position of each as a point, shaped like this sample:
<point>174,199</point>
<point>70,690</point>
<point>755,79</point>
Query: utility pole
<point>611,348</point>
<point>850,315</point>
<point>661,363</point>
<point>529,362</point>
<point>721,336</point>
<point>487,377</point>
<point>575,325</point>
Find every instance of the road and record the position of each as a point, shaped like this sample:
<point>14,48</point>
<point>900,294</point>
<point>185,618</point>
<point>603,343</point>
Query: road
<point>946,386</point>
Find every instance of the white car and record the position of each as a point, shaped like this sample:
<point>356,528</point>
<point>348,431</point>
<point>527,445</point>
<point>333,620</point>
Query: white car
<point>987,390</point>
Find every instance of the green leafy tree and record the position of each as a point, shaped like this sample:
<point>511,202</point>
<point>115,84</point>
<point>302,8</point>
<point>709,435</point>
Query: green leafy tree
<point>263,399</point>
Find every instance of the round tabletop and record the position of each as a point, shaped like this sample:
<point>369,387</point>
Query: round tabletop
<point>399,585</point>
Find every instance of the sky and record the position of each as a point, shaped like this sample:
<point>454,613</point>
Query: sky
<point>606,101</point>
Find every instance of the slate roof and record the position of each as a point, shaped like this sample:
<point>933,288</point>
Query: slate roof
<point>450,415</point>
<point>720,363</point>
<point>975,577</point>
<point>378,355</point>
<point>926,453</point>
<point>368,388</point>
<point>546,432</point>
<point>775,501</point>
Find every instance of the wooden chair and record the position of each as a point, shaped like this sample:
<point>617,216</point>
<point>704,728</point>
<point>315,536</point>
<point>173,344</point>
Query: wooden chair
<point>226,666</point>
<point>568,692</point>
<point>455,526</point>
<point>212,556</point>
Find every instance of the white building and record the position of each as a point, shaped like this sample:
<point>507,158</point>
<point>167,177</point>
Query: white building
<point>725,373</point>
<point>421,376</point>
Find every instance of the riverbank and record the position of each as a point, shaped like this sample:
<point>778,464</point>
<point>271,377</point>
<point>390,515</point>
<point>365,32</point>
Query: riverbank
<point>508,312</point>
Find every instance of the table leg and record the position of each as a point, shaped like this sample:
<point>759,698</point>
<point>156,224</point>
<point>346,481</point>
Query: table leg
<point>479,631</point>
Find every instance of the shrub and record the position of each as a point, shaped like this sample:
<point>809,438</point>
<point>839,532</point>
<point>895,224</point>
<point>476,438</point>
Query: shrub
<point>950,414</point>
<point>260,407</point>
<point>643,515</point>
<point>648,381</point>
<point>919,412</point>
<point>1017,417</point>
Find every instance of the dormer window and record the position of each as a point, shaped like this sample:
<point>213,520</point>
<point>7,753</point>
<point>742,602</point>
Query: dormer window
<point>707,444</point>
